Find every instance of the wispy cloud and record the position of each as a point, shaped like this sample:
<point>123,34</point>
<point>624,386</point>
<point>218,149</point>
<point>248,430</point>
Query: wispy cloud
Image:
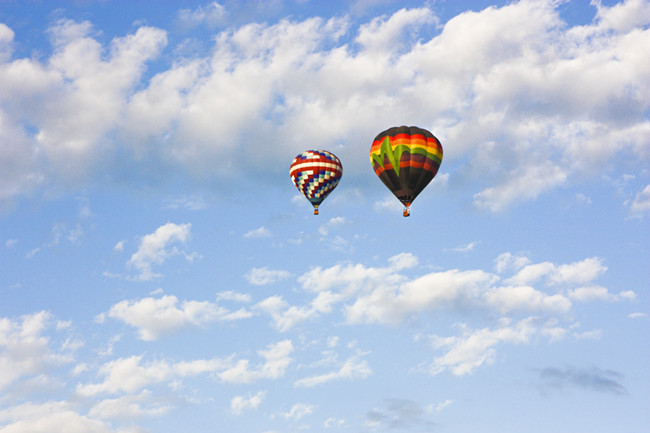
<point>258,233</point>
<point>297,411</point>
<point>240,403</point>
<point>276,360</point>
<point>157,247</point>
<point>590,379</point>
<point>641,203</point>
<point>264,276</point>
<point>210,14</point>
<point>400,415</point>
<point>352,368</point>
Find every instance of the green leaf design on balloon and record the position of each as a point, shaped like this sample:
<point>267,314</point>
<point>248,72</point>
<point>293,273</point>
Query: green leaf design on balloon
<point>393,155</point>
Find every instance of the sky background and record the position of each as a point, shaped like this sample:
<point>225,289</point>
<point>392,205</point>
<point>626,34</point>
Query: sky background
<point>160,273</point>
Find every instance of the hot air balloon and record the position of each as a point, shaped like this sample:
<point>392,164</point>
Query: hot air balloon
<point>406,159</point>
<point>316,173</point>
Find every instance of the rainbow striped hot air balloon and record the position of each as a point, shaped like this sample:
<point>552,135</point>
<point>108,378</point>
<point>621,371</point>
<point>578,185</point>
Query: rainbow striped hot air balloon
<point>316,173</point>
<point>406,159</point>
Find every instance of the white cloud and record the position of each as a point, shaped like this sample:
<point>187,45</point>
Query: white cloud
<point>641,203</point>
<point>240,403</point>
<point>391,304</point>
<point>81,93</point>
<point>191,203</point>
<point>466,248</point>
<point>48,417</point>
<point>440,406</point>
<point>230,295</point>
<point>464,353</point>
<point>636,315</point>
<point>508,261</point>
<point>25,350</point>
<point>355,277</point>
<point>264,276</point>
<point>128,375</point>
<point>332,422</point>
<point>388,204</point>
<point>526,183</point>
<point>332,341</point>
<point>286,317</point>
<point>131,375</point>
<point>157,247</point>
<point>544,101</point>
<point>297,411</point>
<point>353,368</point>
<point>276,360</point>
<point>331,224</point>
<point>525,298</point>
<point>580,272</point>
<point>623,16</point>
<point>384,295</point>
<point>6,34</point>
<point>129,406</point>
<point>157,317</point>
<point>210,14</point>
<point>598,293</point>
<point>258,233</point>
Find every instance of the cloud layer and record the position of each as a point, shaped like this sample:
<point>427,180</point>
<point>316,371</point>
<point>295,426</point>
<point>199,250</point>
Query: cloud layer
<point>524,101</point>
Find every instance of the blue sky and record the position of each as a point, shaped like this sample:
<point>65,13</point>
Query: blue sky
<point>159,272</point>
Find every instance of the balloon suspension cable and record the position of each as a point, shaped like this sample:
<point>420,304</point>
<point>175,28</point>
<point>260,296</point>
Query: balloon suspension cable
<point>407,211</point>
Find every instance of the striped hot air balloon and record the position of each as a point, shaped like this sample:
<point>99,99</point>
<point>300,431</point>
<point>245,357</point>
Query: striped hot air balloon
<point>406,159</point>
<point>316,173</point>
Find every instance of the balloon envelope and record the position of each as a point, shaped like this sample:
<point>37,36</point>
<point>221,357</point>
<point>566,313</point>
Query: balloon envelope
<point>406,159</point>
<point>316,173</point>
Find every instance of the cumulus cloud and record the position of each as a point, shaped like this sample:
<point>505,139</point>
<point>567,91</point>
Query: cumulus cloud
<point>157,317</point>
<point>527,101</point>
<point>155,248</point>
<point>385,295</point>
<point>26,350</point>
<point>531,297</point>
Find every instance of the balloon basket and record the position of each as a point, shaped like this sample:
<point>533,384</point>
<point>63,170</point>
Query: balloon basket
<point>406,212</point>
